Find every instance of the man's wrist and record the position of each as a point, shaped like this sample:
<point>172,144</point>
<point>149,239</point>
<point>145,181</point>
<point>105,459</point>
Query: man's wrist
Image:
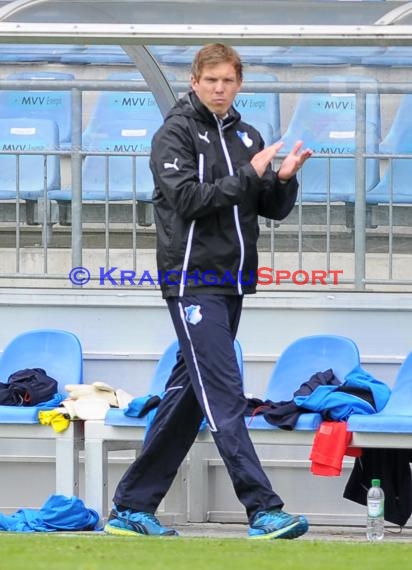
<point>282,180</point>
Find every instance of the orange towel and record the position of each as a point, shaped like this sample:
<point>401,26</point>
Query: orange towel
<point>329,447</point>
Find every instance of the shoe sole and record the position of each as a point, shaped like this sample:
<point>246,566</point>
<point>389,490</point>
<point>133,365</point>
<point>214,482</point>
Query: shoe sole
<point>288,532</point>
<point>115,530</point>
<point>108,529</point>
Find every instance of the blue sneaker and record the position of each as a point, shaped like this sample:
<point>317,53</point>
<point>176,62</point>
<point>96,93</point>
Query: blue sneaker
<point>131,523</point>
<point>277,524</point>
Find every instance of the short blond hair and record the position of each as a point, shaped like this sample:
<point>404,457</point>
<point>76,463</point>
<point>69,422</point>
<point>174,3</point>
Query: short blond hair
<point>213,54</point>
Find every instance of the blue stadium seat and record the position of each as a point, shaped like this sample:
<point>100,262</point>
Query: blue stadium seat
<point>321,55</point>
<point>250,54</point>
<point>117,417</point>
<point>260,107</point>
<point>298,362</point>
<point>34,53</point>
<point>166,54</point>
<point>257,54</point>
<point>354,55</point>
<point>96,55</point>
<point>326,122</point>
<point>24,175</point>
<point>395,183</point>
<point>40,104</point>
<point>160,377</point>
<point>124,105</point>
<point>396,416</point>
<point>303,56</point>
<point>116,178</point>
<point>392,56</point>
<point>184,57</point>
<point>398,140</point>
<point>265,129</point>
<point>58,352</point>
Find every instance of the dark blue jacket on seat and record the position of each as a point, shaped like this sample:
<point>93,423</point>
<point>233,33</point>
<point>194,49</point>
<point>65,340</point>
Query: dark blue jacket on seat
<point>360,393</point>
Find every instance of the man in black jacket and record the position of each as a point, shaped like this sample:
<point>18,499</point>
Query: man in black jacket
<point>213,178</point>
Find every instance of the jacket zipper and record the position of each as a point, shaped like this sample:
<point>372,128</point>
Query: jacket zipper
<point>235,208</point>
<point>201,168</point>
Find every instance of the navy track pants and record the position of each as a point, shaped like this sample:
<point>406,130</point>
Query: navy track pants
<point>205,381</point>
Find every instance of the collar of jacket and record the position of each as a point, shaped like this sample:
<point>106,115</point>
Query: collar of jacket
<point>199,109</point>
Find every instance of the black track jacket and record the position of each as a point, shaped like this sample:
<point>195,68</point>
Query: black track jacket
<point>207,198</point>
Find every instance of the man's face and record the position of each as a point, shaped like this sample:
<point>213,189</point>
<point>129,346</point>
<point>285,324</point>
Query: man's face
<point>217,87</point>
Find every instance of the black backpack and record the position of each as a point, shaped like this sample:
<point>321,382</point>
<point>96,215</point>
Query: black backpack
<point>28,387</point>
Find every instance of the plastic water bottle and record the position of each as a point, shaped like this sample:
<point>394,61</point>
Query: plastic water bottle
<point>375,504</point>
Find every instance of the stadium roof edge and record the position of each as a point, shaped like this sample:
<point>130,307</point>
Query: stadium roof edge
<point>131,34</point>
<point>261,22</point>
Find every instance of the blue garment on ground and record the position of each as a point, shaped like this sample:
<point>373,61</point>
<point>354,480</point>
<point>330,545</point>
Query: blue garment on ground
<point>59,513</point>
<point>337,401</point>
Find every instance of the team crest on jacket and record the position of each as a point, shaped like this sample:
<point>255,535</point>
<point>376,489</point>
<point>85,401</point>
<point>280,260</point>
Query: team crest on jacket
<point>193,314</point>
<point>245,138</point>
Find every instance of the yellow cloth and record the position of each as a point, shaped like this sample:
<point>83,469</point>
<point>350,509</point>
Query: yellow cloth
<point>56,419</point>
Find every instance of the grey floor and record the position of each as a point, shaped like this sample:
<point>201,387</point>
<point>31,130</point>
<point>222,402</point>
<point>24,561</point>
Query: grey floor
<point>348,534</point>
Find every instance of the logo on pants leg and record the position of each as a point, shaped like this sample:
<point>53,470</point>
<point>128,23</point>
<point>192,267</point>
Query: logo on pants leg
<point>193,314</point>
